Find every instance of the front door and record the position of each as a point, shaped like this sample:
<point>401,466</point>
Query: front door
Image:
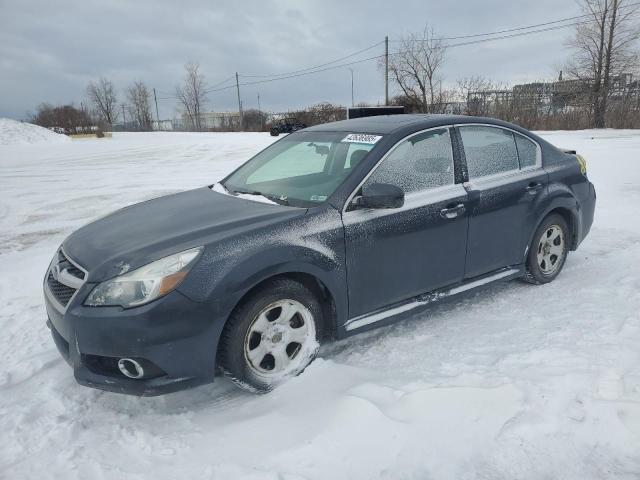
<point>396,254</point>
<point>505,180</point>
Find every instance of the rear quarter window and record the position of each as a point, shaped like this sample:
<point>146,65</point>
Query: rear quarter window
<point>527,151</point>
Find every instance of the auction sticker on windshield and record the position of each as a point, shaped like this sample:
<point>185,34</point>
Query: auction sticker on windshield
<point>362,138</point>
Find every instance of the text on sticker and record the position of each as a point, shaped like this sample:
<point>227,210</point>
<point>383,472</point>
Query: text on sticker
<point>362,138</point>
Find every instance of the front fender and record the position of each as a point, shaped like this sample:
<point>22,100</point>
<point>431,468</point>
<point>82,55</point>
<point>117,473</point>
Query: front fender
<point>257,268</point>
<point>312,244</point>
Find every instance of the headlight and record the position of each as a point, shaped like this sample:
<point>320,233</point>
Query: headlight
<point>146,283</point>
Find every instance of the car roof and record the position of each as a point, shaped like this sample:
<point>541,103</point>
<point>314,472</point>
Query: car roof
<point>384,124</point>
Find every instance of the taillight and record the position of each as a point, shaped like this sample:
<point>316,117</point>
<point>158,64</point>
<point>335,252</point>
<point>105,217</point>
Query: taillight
<point>583,164</point>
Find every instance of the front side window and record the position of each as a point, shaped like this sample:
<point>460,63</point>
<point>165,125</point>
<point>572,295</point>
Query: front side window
<point>488,150</point>
<point>303,169</point>
<point>418,163</point>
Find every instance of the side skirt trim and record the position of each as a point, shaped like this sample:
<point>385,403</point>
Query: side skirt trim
<point>427,298</point>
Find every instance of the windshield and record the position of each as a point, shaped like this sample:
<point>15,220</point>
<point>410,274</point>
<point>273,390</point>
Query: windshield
<point>303,169</point>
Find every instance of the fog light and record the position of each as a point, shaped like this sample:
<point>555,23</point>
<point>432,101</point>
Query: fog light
<point>130,368</point>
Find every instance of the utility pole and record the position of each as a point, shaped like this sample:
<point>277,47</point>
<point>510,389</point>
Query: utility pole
<point>157,116</point>
<point>124,118</point>
<point>386,70</point>
<point>259,111</point>
<point>352,103</point>
<point>239,102</point>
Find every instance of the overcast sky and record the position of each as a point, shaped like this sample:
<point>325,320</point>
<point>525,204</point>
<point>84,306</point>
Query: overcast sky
<point>50,50</point>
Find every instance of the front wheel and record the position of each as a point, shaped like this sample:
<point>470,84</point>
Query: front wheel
<point>548,250</point>
<point>272,336</point>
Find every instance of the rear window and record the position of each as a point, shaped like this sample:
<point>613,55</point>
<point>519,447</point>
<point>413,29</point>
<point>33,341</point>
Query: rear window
<point>488,150</point>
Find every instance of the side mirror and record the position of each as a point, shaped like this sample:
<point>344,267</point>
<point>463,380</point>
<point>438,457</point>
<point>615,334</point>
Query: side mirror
<point>380,195</point>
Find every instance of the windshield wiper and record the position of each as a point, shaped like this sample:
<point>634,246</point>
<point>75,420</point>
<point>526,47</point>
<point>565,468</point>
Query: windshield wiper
<point>273,198</point>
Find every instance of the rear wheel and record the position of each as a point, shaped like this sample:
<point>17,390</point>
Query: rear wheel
<point>548,250</point>
<point>272,336</point>
<point>274,132</point>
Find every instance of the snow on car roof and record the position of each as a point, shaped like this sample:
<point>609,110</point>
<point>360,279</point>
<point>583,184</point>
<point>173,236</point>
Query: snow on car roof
<point>389,123</point>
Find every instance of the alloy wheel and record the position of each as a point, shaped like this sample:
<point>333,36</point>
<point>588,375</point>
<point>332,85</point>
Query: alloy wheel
<point>551,249</point>
<point>280,340</point>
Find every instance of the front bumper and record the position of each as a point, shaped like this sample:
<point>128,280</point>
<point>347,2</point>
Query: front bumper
<point>173,335</point>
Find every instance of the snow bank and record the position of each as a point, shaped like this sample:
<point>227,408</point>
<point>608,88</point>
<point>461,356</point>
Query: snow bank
<point>19,133</point>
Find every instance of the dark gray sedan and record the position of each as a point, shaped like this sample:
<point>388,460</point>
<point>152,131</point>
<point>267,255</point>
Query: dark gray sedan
<point>330,231</point>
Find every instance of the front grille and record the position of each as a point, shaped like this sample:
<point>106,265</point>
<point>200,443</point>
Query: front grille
<point>64,262</point>
<point>61,292</point>
<point>64,278</point>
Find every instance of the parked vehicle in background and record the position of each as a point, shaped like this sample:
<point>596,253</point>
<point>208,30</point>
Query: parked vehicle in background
<point>286,125</point>
<point>328,232</point>
<point>359,112</point>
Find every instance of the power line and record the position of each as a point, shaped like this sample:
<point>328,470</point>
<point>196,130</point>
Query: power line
<point>257,82</point>
<point>521,34</point>
<point>472,42</point>
<point>220,83</point>
<point>549,26</point>
<point>317,66</point>
<point>497,32</point>
<point>530,32</point>
<point>381,56</point>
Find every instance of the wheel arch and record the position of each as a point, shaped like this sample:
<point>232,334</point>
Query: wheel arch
<point>324,283</point>
<point>571,218</point>
<point>323,293</point>
<point>568,212</point>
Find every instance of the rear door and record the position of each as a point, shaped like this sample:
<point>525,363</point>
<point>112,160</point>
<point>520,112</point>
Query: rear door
<point>505,178</point>
<point>396,254</point>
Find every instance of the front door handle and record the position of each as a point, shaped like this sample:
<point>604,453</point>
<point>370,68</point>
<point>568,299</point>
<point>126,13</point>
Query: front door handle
<point>452,211</point>
<point>533,187</point>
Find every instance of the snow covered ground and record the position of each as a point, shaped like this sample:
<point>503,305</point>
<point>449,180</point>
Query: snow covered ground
<point>515,382</point>
<point>20,133</point>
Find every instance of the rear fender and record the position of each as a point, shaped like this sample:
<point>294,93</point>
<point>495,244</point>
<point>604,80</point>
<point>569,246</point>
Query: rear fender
<point>558,197</point>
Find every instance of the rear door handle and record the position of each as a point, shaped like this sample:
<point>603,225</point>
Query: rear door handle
<point>533,187</point>
<point>452,211</point>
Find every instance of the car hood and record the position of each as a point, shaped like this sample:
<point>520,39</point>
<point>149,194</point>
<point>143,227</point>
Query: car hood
<point>144,232</point>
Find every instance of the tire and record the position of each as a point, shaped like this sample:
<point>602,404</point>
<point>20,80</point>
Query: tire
<point>274,132</point>
<point>260,348</point>
<point>548,250</point>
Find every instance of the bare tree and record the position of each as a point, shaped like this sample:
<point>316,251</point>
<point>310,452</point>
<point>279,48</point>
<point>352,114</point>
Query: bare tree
<point>473,92</point>
<point>415,68</point>
<point>192,94</point>
<point>65,117</point>
<point>605,49</point>
<point>102,95</point>
<point>254,120</point>
<point>139,98</point>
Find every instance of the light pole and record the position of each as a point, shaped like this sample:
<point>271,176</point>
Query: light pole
<point>259,111</point>
<point>352,103</point>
